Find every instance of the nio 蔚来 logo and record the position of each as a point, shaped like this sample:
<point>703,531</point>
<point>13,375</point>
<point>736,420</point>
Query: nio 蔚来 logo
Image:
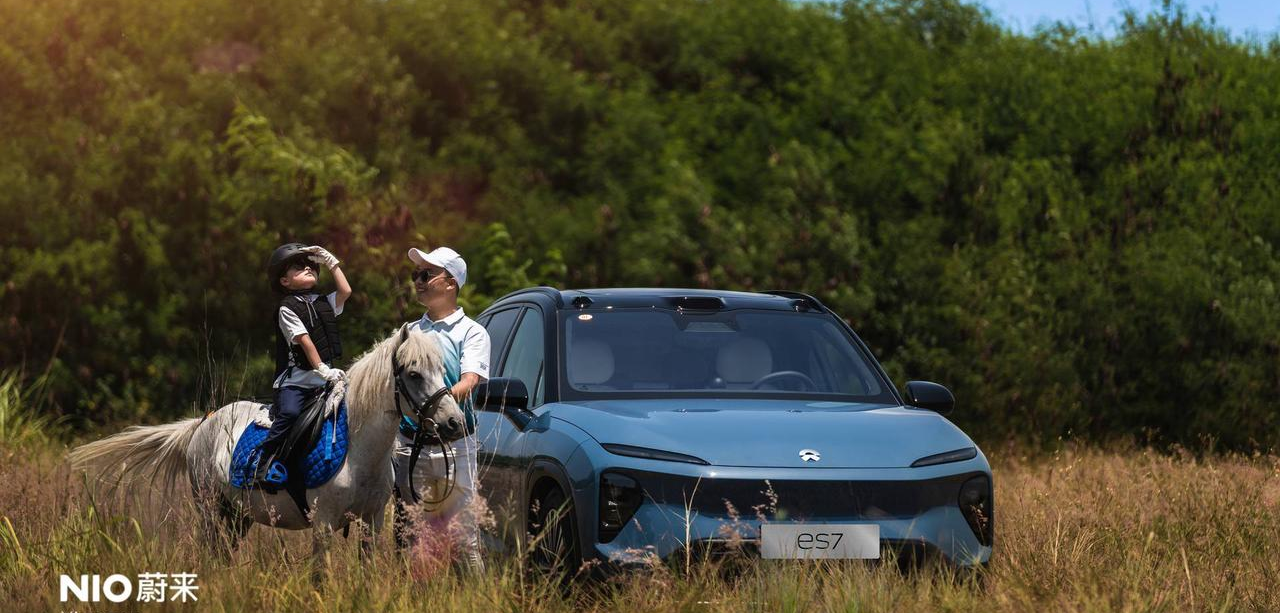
<point>810,455</point>
<point>149,587</point>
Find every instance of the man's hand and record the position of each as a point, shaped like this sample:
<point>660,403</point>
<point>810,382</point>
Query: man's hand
<point>320,255</point>
<point>463,388</point>
<point>459,391</point>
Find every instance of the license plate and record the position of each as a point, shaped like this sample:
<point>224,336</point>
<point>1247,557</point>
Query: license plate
<point>820,541</point>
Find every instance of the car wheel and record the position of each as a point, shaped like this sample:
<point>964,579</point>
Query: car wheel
<point>553,534</point>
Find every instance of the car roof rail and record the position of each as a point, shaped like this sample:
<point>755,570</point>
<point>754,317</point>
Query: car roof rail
<point>550,292</point>
<point>808,300</point>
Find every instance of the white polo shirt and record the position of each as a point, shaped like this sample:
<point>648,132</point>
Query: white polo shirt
<point>464,343</point>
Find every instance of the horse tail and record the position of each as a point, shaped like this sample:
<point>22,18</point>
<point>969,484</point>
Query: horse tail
<point>159,451</point>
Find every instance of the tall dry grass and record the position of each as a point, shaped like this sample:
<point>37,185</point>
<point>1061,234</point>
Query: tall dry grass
<point>21,421</point>
<point>1081,530</point>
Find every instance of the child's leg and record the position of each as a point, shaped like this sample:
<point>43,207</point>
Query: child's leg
<point>287,408</point>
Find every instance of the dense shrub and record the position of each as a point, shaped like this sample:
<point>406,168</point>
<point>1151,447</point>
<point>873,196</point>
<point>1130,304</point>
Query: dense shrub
<point>1076,234</point>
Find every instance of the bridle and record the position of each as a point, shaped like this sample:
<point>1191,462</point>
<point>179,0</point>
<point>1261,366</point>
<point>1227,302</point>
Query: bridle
<point>422,436</point>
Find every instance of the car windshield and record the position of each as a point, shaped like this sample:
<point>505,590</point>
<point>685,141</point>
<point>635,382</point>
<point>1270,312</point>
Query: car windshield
<point>655,352</point>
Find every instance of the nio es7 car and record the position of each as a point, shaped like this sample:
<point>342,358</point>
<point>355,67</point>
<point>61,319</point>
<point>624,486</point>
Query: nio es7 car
<point>620,424</point>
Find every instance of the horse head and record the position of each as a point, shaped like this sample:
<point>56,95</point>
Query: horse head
<point>423,399</point>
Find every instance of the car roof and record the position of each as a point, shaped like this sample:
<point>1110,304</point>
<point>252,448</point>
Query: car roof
<point>639,297</point>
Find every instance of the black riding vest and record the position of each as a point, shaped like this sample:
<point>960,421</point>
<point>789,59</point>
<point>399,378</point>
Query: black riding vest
<point>322,326</point>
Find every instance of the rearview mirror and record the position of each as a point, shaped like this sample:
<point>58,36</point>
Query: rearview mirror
<point>505,395</point>
<point>931,396</point>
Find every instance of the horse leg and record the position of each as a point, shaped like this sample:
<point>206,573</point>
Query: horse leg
<point>235,523</point>
<point>221,526</point>
<point>371,526</point>
<point>215,536</point>
<point>401,528</point>
<point>321,541</point>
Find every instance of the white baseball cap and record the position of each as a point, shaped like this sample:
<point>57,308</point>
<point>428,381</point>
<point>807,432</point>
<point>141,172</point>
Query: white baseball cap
<point>445,258</point>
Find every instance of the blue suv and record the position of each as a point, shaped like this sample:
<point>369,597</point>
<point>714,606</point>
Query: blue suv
<point>622,424</point>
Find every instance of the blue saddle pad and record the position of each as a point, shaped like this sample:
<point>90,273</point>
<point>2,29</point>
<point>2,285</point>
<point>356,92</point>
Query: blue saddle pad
<point>321,464</point>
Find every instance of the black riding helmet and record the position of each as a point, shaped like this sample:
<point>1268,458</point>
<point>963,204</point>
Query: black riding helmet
<point>281,258</point>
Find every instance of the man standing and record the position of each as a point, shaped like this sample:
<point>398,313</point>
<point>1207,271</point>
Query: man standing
<point>438,277</point>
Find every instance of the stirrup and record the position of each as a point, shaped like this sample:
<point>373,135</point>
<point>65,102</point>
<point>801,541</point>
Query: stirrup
<point>271,480</point>
<point>276,475</point>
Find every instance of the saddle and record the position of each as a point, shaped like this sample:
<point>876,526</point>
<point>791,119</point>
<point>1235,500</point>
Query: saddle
<point>306,430</point>
<point>313,451</point>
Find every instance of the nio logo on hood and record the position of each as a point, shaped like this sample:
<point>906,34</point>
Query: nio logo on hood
<point>810,455</point>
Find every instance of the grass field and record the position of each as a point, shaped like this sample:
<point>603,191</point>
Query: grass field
<point>1080,530</point>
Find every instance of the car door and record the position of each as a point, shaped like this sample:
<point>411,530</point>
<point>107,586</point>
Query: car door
<point>501,442</point>
<point>493,431</point>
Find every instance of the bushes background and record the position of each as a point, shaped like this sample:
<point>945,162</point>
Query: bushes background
<point>1075,234</point>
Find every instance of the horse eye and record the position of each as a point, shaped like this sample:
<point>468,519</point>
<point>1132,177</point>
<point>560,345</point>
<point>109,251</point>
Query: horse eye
<point>413,374</point>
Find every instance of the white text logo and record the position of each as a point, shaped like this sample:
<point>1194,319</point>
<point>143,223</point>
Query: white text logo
<point>151,587</point>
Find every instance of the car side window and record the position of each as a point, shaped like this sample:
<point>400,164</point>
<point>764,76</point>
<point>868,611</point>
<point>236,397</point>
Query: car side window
<point>524,360</point>
<point>499,326</point>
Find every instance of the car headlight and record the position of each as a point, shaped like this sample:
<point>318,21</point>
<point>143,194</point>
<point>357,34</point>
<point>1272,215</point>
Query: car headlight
<point>620,496</point>
<point>977,506</point>
<point>959,455</point>
<point>632,451</point>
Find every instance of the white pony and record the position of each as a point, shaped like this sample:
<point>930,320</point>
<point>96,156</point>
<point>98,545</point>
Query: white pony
<point>362,486</point>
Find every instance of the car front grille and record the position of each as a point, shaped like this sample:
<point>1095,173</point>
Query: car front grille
<point>800,500</point>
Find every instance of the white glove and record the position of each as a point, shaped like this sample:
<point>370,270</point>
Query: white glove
<point>332,375</point>
<point>320,255</point>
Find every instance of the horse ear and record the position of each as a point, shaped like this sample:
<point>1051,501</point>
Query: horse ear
<point>400,339</point>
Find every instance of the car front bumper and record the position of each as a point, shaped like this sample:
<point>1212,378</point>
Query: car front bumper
<point>721,509</point>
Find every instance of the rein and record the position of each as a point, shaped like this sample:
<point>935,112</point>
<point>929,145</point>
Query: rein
<point>422,437</point>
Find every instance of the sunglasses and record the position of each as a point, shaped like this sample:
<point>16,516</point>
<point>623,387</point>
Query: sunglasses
<point>301,263</point>
<point>426,274</point>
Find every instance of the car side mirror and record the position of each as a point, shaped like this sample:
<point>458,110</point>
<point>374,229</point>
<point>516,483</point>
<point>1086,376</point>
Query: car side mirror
<point>931,396</point>
<point>505,395</point>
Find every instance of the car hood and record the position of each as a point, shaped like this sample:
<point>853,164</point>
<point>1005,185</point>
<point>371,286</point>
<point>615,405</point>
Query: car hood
<point>769,433</point>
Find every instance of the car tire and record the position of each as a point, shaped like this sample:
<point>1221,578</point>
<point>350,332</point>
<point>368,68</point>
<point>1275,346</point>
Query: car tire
<point>553,535</point>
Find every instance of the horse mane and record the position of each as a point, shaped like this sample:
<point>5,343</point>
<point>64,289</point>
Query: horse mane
<point>369,380</point>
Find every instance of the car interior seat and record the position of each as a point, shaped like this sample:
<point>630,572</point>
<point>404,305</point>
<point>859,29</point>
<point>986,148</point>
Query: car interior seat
<point>590,364</point>
<point>743,361</point>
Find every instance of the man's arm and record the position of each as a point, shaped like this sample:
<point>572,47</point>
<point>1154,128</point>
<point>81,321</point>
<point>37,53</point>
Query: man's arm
<point>475,363</point>
<point>464,386</point>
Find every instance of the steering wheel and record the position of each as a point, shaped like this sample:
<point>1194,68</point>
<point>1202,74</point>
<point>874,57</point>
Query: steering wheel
<point>785,374</point>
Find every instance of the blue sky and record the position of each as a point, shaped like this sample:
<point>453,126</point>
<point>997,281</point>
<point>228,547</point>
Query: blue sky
<point>1240,17</point>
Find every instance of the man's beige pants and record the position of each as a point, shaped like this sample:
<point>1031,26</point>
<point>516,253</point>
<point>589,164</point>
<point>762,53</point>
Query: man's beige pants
<point>460,509</point>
